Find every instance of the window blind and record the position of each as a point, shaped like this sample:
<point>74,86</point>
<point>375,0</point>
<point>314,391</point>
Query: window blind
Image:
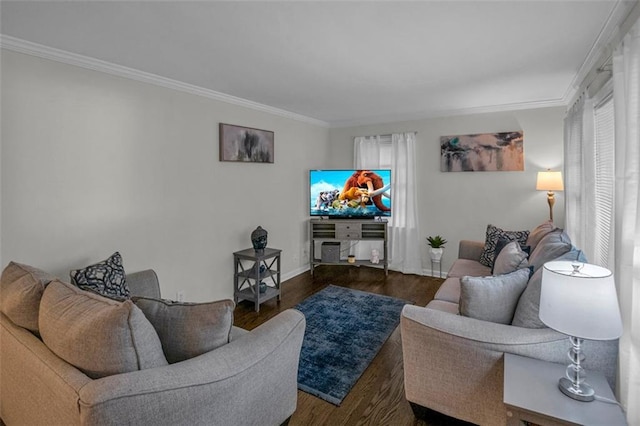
<point>604,180</point>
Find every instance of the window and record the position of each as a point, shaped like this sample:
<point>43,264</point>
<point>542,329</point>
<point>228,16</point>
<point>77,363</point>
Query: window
<point>603,191</point>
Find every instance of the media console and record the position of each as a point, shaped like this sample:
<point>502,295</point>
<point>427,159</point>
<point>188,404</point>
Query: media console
<point>336,230</point>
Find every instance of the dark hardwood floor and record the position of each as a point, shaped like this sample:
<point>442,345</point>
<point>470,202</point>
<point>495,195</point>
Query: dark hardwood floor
<point>378,397</point>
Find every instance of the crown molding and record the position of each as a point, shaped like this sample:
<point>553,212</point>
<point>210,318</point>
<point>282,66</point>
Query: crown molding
<point>58,55</point>
<point>601,47</point>
<point>449,113</point>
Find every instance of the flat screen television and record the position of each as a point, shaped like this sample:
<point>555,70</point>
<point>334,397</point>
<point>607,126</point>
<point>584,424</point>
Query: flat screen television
<point>350,193</point>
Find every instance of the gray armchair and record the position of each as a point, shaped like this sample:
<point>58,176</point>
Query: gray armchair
<point>250,381</point>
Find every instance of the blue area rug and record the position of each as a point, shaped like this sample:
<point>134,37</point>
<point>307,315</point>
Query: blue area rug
<point>345,330</point>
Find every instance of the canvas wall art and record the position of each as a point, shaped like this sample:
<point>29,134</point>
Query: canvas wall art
<point>484,152</point>
<point>245,144</point>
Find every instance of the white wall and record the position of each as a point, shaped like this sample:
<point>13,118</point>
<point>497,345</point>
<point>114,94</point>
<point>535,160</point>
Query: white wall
<point>460,205</point>
<point>93,163</point>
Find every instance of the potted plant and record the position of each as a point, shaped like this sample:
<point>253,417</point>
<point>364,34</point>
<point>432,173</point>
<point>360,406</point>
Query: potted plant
<point>437,247</point>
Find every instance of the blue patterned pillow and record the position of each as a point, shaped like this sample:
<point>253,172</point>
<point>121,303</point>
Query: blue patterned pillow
<point>494,233</point>
<point>106,278</point>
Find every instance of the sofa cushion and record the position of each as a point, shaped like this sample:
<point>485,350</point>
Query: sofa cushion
<point>187,330</point>
<point>538,233</point>
<point>463,267</point>
<point>106,278</point>
<point>492,299</point>
<point>511,258</point>
<point>97,335</point>
<point>528,309</point>
<point>21,287</point>
<point>554,244</point>
<point>494,233</point>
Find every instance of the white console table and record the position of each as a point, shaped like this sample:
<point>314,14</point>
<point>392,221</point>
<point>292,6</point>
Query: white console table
<point>336,230</point>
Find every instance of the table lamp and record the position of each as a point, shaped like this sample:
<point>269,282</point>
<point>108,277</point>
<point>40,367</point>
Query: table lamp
<point>550,181</point>
<point>579,299</point>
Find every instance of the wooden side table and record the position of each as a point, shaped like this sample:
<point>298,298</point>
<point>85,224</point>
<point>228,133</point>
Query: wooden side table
<point>247,275</point>
<point>531,394</point>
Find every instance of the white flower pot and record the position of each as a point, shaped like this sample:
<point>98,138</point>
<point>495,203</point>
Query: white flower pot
<point>436,254</point>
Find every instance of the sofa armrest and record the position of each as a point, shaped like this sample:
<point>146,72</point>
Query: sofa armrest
<point>471,250</point>
<point>454,364</point>
<point>252,380</point>
<point>36,386</point>
<point>144,284</point>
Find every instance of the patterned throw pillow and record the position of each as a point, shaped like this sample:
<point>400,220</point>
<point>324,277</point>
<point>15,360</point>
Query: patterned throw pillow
<point>494,233</point>
<point>106,278</point>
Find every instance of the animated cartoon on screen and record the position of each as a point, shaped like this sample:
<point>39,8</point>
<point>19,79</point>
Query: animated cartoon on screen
<point>350,193</point>
<point>325,199</point>
<point>366,186</point>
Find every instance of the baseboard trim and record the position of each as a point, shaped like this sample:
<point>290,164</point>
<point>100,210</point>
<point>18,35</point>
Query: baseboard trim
<point>295,272</point>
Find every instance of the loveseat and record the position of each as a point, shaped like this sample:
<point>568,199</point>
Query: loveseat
<point>250,380</point>
<point>453,361</point>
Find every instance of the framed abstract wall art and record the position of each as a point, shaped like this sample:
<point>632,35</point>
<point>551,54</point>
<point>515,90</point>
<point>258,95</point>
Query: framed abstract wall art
<point>483,152</point>
<point>245,144</point>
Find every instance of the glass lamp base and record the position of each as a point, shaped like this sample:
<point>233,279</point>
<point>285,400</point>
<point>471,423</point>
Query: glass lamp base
<point>581,392</point>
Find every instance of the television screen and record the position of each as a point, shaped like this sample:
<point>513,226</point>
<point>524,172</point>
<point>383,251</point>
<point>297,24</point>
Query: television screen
<point>350,193</point>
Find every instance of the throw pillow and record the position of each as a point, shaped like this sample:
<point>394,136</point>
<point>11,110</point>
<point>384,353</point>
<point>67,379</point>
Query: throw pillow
<point>492,299</point>
<point>554,244</point>
<point>187,330</point>
<point>527,311</point>
<point>494,233</point>
<point>21,287</point>
<point>538,233</point>
<point>106,278</point>
<point>502,241</point>
<point>98,335</point>
<point>509,259</point>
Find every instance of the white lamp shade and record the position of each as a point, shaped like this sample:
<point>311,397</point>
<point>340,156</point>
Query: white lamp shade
<point>549,181</point>
<point>581,304</point>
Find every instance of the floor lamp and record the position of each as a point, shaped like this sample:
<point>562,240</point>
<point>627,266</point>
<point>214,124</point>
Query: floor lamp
<point>550,181</point>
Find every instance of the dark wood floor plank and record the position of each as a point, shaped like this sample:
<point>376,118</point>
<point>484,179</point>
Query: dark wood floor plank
<point>377,398</point>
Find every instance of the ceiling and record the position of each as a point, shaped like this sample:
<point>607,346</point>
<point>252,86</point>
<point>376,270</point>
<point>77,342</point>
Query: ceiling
<point>338,63</point>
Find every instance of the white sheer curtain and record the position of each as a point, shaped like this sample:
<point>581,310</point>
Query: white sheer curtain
<point>579,174</point>
<point>367,155</point>
<point>626,80</point>
<point>399,154</point>
<point>573,171</point>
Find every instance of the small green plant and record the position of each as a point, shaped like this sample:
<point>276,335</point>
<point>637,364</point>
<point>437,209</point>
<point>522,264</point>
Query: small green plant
<point>436,242</point>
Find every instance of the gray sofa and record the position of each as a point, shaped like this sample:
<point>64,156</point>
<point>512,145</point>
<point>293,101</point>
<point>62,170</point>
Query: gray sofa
<point>250,380</point>
<point>453,364</point>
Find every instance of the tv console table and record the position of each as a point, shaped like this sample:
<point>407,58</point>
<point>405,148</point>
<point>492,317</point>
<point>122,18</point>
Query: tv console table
<point>336,230</point>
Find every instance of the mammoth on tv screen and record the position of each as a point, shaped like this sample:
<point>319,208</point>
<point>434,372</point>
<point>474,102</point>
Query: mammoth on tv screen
<point>350,193</point>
